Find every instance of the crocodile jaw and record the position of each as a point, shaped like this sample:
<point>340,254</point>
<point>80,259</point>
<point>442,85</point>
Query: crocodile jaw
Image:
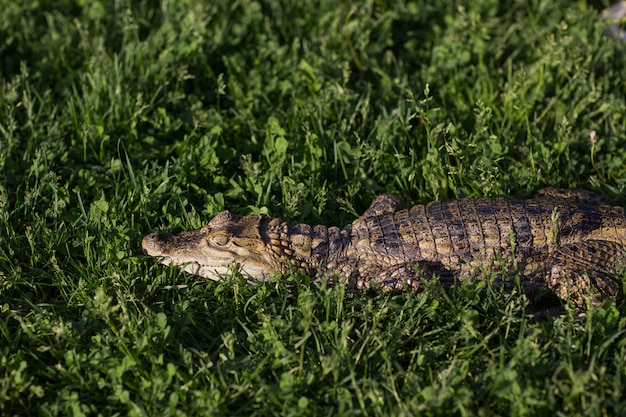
<point>211,251</point>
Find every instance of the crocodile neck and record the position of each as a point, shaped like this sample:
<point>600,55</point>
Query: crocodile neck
<point>308,249</point>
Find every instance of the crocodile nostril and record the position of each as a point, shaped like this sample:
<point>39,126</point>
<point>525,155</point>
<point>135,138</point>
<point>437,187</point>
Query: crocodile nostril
<point>152,242</point>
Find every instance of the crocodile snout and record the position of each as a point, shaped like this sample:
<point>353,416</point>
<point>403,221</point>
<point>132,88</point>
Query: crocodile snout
<point>153,243</point>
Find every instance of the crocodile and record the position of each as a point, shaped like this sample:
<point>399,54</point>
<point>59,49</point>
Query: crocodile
<point>568,242</point>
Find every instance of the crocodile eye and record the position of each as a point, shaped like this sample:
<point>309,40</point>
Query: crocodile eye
<point>220,239</point>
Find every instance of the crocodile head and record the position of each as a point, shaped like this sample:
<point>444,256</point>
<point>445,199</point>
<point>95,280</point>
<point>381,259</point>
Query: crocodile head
<point>211,251</point>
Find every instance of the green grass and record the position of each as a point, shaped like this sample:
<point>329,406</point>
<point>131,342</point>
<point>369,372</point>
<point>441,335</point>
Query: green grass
<point>120,118</point>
